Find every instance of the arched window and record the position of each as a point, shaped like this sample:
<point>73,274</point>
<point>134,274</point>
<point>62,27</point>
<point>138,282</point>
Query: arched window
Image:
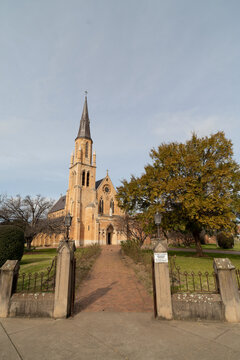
<point>112,205</point>
<point>83,178</point>
<point>100,207</point>
<point>86,150</point>
<point>88,175</point>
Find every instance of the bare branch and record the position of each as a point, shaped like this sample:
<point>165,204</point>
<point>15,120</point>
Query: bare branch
<point>29,213</point>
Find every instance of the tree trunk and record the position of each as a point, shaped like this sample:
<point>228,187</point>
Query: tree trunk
<point>29,240</point>
<point>199,250</point>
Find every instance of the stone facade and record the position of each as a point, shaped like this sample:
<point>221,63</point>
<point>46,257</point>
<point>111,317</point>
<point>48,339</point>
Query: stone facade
<point>46,240</point>
<point>92,204</point>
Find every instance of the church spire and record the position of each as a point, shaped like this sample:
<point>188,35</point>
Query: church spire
<point>84,129</point>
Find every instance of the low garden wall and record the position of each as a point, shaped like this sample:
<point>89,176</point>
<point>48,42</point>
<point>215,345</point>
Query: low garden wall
<point>31,305</point>
<point>195,306</point>
<point>193,296</point>
<point>44,294</point>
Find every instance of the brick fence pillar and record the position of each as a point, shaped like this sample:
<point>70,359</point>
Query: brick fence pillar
<point>162,281</point>
<point>64,279</point>
<point>8,281</point>
<point>227,283</point>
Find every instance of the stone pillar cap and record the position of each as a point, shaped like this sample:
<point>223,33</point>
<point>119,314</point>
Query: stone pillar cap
<point>70,245</point>
<point>223,264</point>
<point>9,265</point>
<point>161,246</point>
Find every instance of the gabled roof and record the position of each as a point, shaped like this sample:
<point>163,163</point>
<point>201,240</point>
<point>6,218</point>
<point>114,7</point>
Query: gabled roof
<point>84,128</point>
<point>97,183</point>
<point>60,205</point>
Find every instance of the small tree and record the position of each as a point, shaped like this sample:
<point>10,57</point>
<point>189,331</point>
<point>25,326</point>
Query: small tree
<point>132,228</point>
<point>194,185</point>
<point>30,214</point>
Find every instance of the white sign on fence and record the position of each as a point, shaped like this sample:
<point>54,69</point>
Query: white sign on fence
<point>161,257</point>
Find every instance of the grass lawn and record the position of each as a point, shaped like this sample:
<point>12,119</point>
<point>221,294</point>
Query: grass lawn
<point>37,271</point>
<point>214,246</point>
<point>37,260</point>
<point>40,260</point>
<point>209,246</point>
<point>187,262</point>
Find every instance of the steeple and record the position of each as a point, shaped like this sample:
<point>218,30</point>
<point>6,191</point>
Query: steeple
<point>84,129</point>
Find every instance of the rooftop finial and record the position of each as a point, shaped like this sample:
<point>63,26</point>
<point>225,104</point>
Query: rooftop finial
<point>86,92</point>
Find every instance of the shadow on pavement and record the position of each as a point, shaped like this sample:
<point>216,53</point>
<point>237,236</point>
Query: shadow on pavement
<point>83,303</point>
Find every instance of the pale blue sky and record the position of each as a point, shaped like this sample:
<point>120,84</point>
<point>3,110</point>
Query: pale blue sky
<point>155,71</point>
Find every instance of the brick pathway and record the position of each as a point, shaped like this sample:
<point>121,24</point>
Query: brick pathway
<point>112,286</point>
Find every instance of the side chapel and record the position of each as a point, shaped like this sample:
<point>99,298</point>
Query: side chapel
<point>92,204</point>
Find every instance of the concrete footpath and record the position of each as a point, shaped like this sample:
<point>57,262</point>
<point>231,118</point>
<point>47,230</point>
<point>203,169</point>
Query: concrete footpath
<point>110,335</point>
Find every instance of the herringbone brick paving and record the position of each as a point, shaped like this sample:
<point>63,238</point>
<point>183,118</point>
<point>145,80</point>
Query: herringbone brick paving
<point>112,286</point>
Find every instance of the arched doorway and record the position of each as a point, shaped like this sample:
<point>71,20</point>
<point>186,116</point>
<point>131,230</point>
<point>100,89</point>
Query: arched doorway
<point>109,234</point>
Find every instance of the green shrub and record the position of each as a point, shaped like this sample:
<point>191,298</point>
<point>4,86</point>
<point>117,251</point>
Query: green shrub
<point>11,243</point>
<point>225,241</point>
<point>132,249</point>
<point>85,258</point>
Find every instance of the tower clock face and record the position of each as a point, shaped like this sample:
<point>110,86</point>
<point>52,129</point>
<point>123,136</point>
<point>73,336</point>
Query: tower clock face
<point>106,189</point>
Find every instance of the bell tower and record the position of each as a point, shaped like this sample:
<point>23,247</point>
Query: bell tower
<point>82,177</point>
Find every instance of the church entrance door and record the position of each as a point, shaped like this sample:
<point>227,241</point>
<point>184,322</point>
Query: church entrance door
<point>109,234</point>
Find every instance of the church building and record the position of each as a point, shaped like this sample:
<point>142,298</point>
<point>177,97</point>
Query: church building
<point>92,204</point>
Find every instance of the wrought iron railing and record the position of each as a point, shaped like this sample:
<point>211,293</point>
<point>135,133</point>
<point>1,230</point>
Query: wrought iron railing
<point>238,277</point>
<point>38,282</point>
<point>183,281</point>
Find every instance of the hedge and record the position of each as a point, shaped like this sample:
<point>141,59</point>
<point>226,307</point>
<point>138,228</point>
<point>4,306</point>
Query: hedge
<point>11,243</point>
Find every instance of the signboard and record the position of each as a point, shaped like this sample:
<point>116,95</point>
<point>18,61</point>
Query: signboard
<point>161,257</point>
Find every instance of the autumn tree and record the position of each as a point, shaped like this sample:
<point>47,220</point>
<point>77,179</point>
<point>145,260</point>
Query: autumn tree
<point>195,185</point>
<point>30,214</point>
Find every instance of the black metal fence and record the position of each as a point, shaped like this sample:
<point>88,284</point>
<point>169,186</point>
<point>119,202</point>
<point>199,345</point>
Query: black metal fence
<point>183,281</point>
<point>238,277</point>
<point>43,281</point>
